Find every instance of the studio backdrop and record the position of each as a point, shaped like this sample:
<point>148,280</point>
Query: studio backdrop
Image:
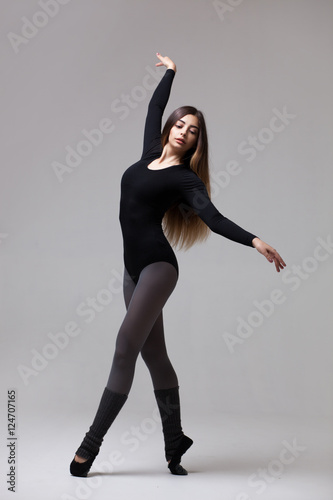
<point>77,77</point>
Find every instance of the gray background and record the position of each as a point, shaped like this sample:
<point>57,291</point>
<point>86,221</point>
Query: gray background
<point>61,242</point>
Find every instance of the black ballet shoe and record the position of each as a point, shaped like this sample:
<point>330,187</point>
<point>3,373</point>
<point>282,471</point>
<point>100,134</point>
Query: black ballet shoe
<point>81,469</point>
<point>177,470</point>
<point>174,464</point>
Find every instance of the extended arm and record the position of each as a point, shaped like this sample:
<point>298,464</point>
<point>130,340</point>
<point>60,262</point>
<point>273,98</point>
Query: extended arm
<point>157,104</point>
<point>194,193</point>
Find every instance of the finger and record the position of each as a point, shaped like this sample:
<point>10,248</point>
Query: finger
<point>268,256</point>
<point>281,262</point>
<point>276,263</point>
<point>275,260</point>
<point>276,256</point>
<point>160,56</point>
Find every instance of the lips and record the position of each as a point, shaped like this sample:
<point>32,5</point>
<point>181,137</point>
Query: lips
<point>180,141</point>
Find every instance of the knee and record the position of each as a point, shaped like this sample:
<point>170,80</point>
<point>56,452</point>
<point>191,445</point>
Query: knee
<point>125,354</point>
<point>152,358</point>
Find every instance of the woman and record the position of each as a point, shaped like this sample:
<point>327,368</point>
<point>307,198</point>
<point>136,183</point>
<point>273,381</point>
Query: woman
<point>168,186</point>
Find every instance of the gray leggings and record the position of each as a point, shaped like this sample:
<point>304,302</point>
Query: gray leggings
<point>142,329</point>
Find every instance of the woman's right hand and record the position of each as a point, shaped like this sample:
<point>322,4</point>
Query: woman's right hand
<point>270,253</point>
<point>166,61</point>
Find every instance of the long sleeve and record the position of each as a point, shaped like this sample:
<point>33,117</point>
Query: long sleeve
<point>157,104</point>
<point>194,194</point>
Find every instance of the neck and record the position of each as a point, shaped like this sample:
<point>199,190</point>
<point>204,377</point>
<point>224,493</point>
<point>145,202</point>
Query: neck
<point>170,156</point>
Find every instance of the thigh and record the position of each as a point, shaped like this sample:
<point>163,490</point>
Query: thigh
<point>155,342</point>
<point>154,345</point>
<point>155,284</point>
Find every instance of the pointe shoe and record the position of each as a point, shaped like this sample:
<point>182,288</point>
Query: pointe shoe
<point>174,464</point>
<point>81,469</point>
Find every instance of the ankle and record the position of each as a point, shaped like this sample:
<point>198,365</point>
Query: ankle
<point>174,462</point>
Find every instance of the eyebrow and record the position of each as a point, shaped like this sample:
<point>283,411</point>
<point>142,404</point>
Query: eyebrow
<point>190,125</point>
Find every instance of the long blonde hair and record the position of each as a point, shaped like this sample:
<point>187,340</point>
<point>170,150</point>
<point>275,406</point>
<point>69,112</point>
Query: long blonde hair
<point>184,229</point>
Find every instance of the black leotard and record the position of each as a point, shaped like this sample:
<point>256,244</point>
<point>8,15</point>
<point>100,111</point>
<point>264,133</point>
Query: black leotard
<point>147,194</point>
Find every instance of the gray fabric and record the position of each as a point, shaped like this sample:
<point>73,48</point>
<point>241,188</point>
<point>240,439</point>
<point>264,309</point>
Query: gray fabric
<point>142,329</point>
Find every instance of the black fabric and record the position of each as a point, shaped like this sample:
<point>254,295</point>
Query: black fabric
<point>109,407</point>
<point>147,194</point>
<point>151,273</point>
<point>168,403</point>
<point>174,464</point>
<point>142,329</point>
<point>81,469</point>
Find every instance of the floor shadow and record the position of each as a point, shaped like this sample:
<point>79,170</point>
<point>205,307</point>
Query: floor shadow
<point>204,465</point>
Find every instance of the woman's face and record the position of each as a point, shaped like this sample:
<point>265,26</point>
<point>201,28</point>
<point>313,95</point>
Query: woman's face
<point>184,134</point>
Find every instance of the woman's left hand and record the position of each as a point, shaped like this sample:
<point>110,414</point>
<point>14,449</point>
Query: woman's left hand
<point>166,61</point>
<point>270,253</point>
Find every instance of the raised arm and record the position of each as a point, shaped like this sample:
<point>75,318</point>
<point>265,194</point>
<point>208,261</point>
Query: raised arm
<point>157,104</point>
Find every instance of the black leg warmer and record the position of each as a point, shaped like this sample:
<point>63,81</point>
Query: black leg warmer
<point>109,407</point>
<point>176,443</point>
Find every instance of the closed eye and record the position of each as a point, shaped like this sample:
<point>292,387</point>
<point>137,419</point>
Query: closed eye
<point>192,131</point>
